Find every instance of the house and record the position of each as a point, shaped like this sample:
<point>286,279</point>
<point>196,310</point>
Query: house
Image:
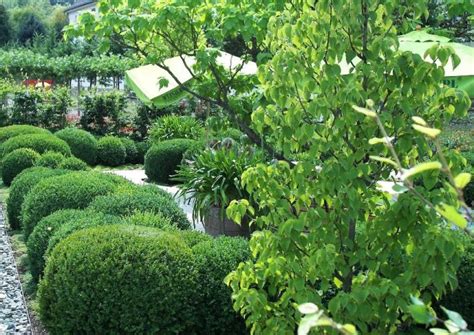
<point>79,7</point>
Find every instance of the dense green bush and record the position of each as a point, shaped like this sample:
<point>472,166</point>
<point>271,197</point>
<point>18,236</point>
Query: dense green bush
<point>83,145</point>
<point>73,163</point>
<point>50,159</point>
<point>461,300</point>
<point>39,238</point>
<point>163,159</point>
<point>119,279</point>
<point>15,130</point>
<point>38,142</point>
<point>21,186</point>
<point>142,148</point>
<point>101,111</point>
<point>74,190</point>
<point>144,199</point>
<point>130,150</point>
<point>17,161</point>
<point>111,151</point>
<point>173,127</point>
<point>214,260</point>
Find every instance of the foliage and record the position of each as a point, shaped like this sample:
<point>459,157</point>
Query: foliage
<point>5,26</point>
<point>146,116</point>
<point>144,199</point>
<point>46,228</point>
<point>111,151</point>
<point>83,145</point>
<point>131,150</point>
<point>214,260</point>
<point>213,179</point>
<point>142,148</point>
<point>172,127</point>
<point>163,159</point>
<point>74,190</point>
<point>15,130</point>
<point>73,163</point>
<point>21,186</point>
<point>29,26</point>
<point>50,159</point>
<point>17,161</point>
<point>40,143</point>
<point>154,295</point>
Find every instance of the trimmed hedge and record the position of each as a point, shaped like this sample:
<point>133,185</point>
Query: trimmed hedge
<point>82,143</point>
<point>17,161</point>
<point>15,130</point>
<point>74,190</point>
<point>144,199</point>
<point>215,259</point>
<point>21,186</point>
<point>119,279</point>
<point>111,151</point>
<point>45,229</point>
<point>461,299</point>
<point>50,159</point>
<point>73,163</point>
<point>142,148</point>
<point>163,159</point>
<point>37,142</point>
<point>130,150</point>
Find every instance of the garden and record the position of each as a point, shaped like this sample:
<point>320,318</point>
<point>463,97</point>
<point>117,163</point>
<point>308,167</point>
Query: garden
<point>328,191</point>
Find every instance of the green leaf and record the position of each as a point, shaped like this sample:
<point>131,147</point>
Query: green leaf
<point>430,132</point>
<point>365,111</point>
<point>377,140</point>
<point>384,160</point>
<point>308,322</point>
<point>308,308</point>
<point>421,314</point>
<point>451,214</point>
<point>439,331</point>
<point>419,120</point>
<point>462,179</point>
<point>422,167</point>
<point>456,318</point>
<point>350,329</point>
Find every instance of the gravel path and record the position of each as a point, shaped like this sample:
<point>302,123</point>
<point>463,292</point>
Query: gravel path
<point>13,313</point>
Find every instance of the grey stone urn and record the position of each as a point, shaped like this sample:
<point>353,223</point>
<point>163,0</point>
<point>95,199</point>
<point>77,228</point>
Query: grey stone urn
<point>214,225</point>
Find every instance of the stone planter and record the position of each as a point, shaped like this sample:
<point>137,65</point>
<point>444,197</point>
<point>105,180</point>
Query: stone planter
<point>215,226</point>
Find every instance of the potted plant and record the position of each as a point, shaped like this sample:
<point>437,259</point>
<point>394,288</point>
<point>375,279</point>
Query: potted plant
<point>212,179</point>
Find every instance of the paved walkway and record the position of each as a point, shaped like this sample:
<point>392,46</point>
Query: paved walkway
<point>13,313</point>
<point>138,177</point>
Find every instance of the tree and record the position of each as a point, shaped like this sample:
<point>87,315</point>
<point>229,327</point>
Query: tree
<point>326,234</point>
<point>5,28</point>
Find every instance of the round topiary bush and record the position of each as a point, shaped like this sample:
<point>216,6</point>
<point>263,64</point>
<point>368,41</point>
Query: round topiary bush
<point>144,199</point>
<point>163,159</point>
<point>215,259</point>
<point>82,143</point>
<point>131,150</point>
<point>37,142</point>
<point>119,279</point>
<point>111,151</point>
<point>15,130</point>
<point>73,163</point>
<point>45,229</point>
<point>50,159</point>
<point>75,190</point>
<point>21,186</point>
<point>142,148</point>
<point>17,161</point>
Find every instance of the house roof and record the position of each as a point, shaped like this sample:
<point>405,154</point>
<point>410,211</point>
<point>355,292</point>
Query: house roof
<point>79,4</point>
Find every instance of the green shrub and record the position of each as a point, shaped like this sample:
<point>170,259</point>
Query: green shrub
<point>193,237</point>
<point>50,159</point>
<point>15,130</point>
<point>461,300</point>
<point>163,159</point>
<point>73,163</point>
<point>83,145</point>
<point>173,127</point>
<point>17,161</point>
<point>144,199</point>
<point>21,186</point>
<point>119,279</point>
<point>130,150</point>
<point>37,142</point>
<point>111,151</point>
<point>101,111</point>
<point>142,148</point>
<point>45,229</point>
<point>74,190</point>
<point>215,259</point>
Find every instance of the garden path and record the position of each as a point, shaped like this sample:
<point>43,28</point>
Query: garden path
<point>13,313</point>
<point>138,177</point>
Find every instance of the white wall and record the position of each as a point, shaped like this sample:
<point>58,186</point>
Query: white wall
<point>74,15</point>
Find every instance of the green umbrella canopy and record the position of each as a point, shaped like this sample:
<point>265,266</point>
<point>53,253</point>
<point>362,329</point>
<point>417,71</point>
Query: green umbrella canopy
<point>155,86</point>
